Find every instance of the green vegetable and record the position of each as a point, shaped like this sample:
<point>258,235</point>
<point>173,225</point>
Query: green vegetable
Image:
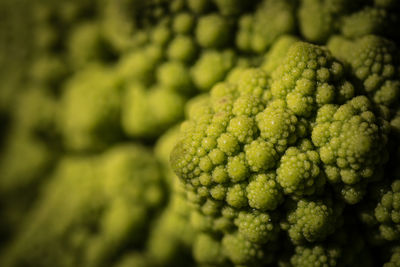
<point>380,80</point>
<point>320,19</point>
<point>394,260</point>
<point>199,133</point>
<point>92,208</point>
<point>270,20</point>
<point>300,143</point>
<point>90,109</point>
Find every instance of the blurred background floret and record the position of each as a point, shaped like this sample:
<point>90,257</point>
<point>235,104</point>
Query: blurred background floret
<point>199,133</point>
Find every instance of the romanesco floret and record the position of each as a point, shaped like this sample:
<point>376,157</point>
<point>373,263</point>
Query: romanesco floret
<point>257,141</point>
<point>375,65</point>
<point>183,23</point>
<point>241,251</point>
<point>175,76</point>
<point>182,48</point>
<point>315,256</point>
<point>264,192</point>
<point>212,67</point>
<point>299,172</point>
<point>311,220</point>
<point>92,207</point>
<point>387,212</point>
<point>258,30</point>
<point>213,31</point>
<point>319,19</point>
<point>308,78</point>
<point>146,113</point>
<point>90,109</point>
<point>369,20</point>
<point>257,227</point>
<point>140,65</point>
<point>345,248</point>
<point>349,139</point>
